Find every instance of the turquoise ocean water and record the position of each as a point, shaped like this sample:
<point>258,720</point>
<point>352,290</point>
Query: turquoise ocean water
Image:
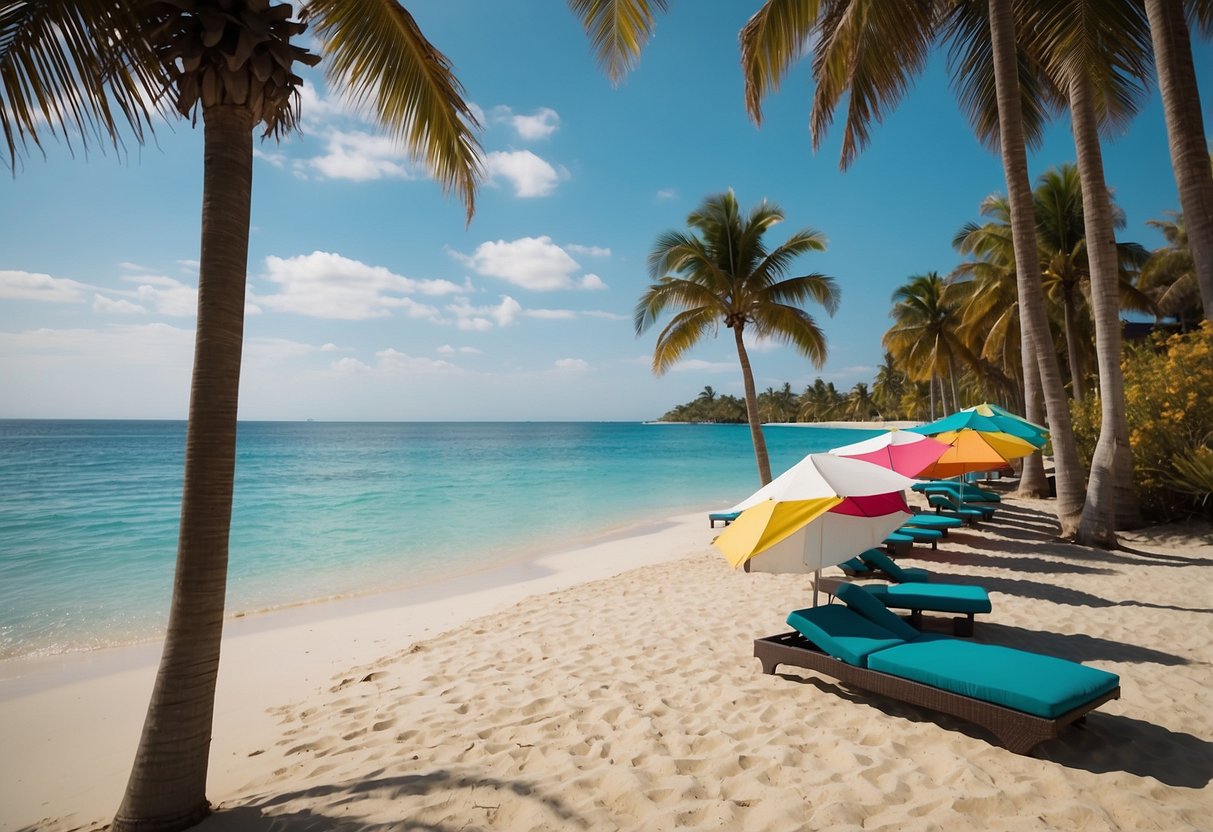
<point>89,509</point>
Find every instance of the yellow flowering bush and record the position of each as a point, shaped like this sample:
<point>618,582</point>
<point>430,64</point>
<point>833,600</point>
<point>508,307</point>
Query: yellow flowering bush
<point>1169,405</point>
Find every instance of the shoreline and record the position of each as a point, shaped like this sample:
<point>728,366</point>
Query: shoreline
<point>613,686</point>
<point>53,708</point>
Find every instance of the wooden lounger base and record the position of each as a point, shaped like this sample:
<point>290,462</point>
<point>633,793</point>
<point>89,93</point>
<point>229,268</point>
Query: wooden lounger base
<point>1017,731</point>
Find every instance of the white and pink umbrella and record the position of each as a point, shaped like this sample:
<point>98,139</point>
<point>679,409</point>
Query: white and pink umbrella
<point>903,451</point>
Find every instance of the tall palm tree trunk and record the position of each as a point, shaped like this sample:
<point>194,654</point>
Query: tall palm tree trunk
<point>167,786</point>
<point>1186,135</point>
<point>1034,325</point>
<point>1032,480</point>
<point>1077,383</point>
<point>1112,461</point>
<point>751,409</point>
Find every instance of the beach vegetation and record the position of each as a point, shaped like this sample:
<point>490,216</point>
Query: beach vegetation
<point>721,271</point>
<point>1167,384</point>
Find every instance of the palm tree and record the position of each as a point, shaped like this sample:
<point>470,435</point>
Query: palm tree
<point>722,272</point>
<point>1185,130</point>
<point>1099,58</point>
<point>869,51</point>
<point>230,62</point>
<point>923,338</point>
<point>1169,276</point>
<point>860,405</point>
<point>707,395</point>
<point>889,386</point>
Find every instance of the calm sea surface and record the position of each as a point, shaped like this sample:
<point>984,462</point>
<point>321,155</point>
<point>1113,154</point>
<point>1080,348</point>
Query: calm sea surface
<point>89,510</point>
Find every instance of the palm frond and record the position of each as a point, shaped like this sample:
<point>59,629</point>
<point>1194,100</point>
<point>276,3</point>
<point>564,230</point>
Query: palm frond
<point>792,326</point>
<point>684,331</point>
<point>379,55</point>
<point>971,63</point>
<point>871,50</point>
<point>776,37</point>
<point>818,288</point>
<point>76,67</point>
<point>777,263</point>
<point>1105,41</point>
<point>618,30</point>
<point>675,293</point>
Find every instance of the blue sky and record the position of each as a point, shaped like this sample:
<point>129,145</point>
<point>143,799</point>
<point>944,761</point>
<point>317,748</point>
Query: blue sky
<point>369,298</point>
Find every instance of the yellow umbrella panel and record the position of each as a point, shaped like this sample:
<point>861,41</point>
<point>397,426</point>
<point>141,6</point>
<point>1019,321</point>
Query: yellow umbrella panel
<point>766,524</point>
<point>975,450</point>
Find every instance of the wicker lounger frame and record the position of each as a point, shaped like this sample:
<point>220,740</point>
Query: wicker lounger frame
<point>1017,731</point>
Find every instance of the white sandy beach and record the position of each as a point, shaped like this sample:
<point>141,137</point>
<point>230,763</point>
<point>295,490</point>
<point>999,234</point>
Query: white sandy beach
<point>613,687</point>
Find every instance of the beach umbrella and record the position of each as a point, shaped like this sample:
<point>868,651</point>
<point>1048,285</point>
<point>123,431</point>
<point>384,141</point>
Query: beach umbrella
<point>989,422</point>
<point>820,512</point>
<point>993,410</point>
<point>975,450</point>
<point>902,451</point>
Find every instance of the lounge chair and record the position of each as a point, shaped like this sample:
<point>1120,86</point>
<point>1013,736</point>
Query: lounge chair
<point>923,520</point>
<point>724,517</point>
<point>898,543</point>
<point>959,490</point>
<point>921,535</point>
<point>881,565</point>
<point>943,501</point>
<point>945,507</point>
<point>1022,698</point>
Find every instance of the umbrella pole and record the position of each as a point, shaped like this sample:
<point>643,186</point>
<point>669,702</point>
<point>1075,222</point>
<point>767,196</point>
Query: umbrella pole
<point>816,575</point>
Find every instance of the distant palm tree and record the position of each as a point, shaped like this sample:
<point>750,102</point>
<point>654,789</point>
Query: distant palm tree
<point>85,66</point>
<point>708,395</point>
<point>860,405</point>
<point>924,338</point>
<point>1169,274</point>
<point>722,272</point>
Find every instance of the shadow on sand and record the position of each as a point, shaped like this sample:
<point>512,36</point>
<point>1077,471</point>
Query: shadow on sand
<point>257,814</point>
<point>1103,743</point>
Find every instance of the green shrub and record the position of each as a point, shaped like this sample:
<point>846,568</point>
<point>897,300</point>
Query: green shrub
<point>1169,405</point>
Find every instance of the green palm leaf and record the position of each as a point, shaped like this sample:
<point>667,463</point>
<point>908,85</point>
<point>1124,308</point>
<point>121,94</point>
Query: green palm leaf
<point>377,52</point>
<point>776,37</point>
<point>75,67</point>
<point>618,30</point>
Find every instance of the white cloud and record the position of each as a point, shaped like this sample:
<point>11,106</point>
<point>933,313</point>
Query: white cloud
<point>608,316</point>
<point>572,365</point>
<point>278,160</point>
<point>530,175</point>
<point>327,285</point>
<point>119,307</point>
<point>667,193</point>
<point>447,349</point>
<point>592,251</point>
<point>361,157</point>
<point>481,318</point>
<point>350,366</point>
<point>18,285</point>
<point>696,364</point>
<point>592,282</point>
<point>542,124</point>
<point>165,295</point>
<point>530,262</point>
<point>551,314</point>
<point>330,347</point>
<point>394,361</point>
<point>133,267</point>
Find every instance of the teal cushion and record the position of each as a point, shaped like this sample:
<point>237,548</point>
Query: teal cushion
<point>879,560</point>
<point>1045,686</point>
<point>935,521</point>
<point>858,599</point>
<point>841,633</point>
<point>921,534</point>
<point>855,565</point>
<point>964,598</point>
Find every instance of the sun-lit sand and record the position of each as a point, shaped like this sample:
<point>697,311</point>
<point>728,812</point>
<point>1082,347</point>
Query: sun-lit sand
<point>567,693</point>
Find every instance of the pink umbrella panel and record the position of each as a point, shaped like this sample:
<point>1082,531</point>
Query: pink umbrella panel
<point>905,452</point>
